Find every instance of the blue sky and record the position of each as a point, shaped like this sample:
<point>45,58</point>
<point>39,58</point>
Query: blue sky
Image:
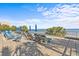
<point>44,15</point>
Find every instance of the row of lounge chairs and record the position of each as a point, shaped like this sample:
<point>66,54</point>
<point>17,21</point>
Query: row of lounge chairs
<point>36,37</point>
<point>41,38</point>
<point>9,35</point>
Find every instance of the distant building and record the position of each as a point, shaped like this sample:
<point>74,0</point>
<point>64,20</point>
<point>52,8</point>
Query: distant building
<point>5,23</point>
<point>35,27</point>
<point>29,28</point>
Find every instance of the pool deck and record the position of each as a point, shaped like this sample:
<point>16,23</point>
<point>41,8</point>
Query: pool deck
<point>70,47</point>
<point>57,47</point>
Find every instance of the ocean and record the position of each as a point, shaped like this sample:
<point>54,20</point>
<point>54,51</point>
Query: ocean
<point>69,32</point>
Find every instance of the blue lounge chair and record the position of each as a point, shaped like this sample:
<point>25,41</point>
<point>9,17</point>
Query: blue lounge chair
<point>9,35</point>
<point>6,34</point>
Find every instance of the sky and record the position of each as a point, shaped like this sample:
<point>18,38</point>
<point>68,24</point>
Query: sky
<point>45,15</point>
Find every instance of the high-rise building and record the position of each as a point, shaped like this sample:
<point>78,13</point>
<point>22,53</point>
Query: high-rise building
<point>35,27</point>
<point>29,28</point>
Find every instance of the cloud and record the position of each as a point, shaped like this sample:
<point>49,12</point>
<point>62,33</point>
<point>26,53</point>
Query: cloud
<point>40,9</point>
<point>66,15</point>
<point>65,11</point>
<point>11,22</point>
<point>46,23</point>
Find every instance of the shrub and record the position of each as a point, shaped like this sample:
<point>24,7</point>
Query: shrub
<point>56,31</point>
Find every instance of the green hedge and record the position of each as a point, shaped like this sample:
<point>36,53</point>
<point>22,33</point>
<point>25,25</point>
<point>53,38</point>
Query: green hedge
<point>56,31</point>
<point>13,28</point>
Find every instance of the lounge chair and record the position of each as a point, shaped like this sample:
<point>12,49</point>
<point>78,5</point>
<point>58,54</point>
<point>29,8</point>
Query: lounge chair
<point>9,35</point>
<point>6,34</point>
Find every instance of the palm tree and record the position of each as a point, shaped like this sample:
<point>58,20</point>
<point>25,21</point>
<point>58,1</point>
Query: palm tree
<point>13,28</point>
<point>24,28</point>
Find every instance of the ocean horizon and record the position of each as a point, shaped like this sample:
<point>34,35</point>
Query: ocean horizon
<point>69,32</point>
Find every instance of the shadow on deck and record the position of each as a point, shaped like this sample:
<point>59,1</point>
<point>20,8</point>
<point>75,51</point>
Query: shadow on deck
<point>28,51</point>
